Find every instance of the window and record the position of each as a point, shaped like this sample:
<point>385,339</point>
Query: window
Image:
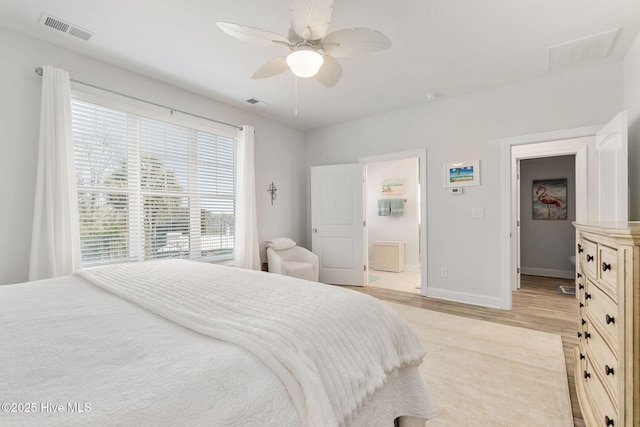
<point>151,189</point>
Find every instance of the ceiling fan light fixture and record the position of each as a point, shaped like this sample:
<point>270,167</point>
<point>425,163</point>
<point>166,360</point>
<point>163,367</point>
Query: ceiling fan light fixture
<point>305,62</point>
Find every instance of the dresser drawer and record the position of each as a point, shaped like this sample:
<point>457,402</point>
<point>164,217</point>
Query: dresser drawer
<point>600,401</point>
<point>603,311</point>
<point>588,251</point>
<point>608,269</point>
<point>603,358</point>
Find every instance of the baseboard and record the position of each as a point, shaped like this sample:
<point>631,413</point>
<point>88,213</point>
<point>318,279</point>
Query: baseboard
<point>481,300</point>
<point>407,267</point>
<point>547,272</point>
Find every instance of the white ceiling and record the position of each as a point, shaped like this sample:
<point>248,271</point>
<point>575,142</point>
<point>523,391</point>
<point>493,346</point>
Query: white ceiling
<point>450,47</point>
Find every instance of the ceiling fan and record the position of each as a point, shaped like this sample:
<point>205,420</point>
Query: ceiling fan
<point>313,51</point>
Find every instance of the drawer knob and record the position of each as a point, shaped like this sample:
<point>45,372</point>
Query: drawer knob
<point>582,356</point>
<point>580,286</point>
<point>608,421</point>
<point>589,258</point>
<point>582,321</point>
<point>587,295</point>
<point>581,305</point>
<point>610,319</point>
<point>587,375</point>
<point>580,249</point>
<point>608,370</point>
<point>606,266</point>
<point>579,334</point>
<point>579,275</point>
<point>587,335</point>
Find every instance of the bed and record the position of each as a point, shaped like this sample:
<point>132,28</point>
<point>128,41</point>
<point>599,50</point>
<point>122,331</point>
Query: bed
<point>178,342</point>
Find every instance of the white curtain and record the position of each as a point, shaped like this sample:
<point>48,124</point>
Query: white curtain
<point>55,240</point>
<point>247,249</point>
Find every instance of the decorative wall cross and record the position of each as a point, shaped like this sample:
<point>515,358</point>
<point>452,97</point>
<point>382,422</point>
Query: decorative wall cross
<point>272,189</point>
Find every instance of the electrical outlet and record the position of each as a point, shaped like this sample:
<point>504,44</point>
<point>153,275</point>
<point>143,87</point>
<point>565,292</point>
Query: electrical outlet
<point>477,212</point>
<point>444,272</point>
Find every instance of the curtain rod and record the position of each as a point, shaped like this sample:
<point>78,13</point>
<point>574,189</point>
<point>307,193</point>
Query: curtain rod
<point>39,71</point>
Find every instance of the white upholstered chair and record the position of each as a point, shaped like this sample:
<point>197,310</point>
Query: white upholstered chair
<point>284,257</point>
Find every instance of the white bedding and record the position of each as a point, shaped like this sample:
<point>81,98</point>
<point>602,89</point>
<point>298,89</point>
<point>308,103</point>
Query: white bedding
<point>67,342</point>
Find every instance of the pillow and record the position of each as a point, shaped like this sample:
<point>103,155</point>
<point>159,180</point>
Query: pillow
<point>280,243</point>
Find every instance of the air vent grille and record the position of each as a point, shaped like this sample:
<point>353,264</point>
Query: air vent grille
<point>55,24</point>
<point>583,50</point>
<point>81,34</point>
<point>65,27</point>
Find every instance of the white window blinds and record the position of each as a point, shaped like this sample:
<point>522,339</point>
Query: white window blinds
<point>150,189</point>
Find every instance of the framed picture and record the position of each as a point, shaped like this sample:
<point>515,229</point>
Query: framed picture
<point>393,186</point>
<point>462,174</point>
<point>550,199</point>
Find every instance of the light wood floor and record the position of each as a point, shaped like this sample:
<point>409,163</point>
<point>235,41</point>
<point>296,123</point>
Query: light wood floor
<point>537,305</point>
<point>407,281</point>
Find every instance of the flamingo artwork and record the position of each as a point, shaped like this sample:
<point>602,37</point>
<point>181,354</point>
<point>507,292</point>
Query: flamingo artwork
<point>550,194</point>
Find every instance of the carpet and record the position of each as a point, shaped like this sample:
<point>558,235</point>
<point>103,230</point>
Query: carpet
<point>486,374</point>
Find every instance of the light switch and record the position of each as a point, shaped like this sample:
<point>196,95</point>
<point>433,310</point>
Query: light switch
<point>477,212</point>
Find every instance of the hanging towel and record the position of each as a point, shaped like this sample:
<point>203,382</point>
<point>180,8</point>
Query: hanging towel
<point>384,207</point>
<point>397,207</point>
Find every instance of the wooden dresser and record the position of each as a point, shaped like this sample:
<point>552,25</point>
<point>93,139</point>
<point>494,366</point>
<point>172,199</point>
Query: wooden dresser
<point>607,368</point>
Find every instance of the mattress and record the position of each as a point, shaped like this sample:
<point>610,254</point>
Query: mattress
<point>75,354</point>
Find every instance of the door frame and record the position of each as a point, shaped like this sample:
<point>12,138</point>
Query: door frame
<point>421,154</point>
<point>577,147</point>
<point>555,143</point>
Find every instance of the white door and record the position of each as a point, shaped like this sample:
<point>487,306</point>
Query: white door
<point>612,170</point>
<point>337,219</point>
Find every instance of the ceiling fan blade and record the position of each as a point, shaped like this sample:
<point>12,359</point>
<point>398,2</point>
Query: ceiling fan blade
<point>294,39</point>
<point>272,68</point>
<point>330,72</point>
<point>253,35</point>
<point>354,41</point>
<point>312,14</point>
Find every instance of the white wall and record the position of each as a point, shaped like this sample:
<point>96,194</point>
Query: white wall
<point>631,73</point>
<point>546,244</point>
<point>280,151</point>
<point>400,228</point>
<point>459,129</point>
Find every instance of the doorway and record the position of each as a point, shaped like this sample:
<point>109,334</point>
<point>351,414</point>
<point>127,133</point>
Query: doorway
<point>547,209</point>
<point>566,142</point>
<point>338,222</point>
<point>380,168</point>
<point>392,212</point>
<point>606,168</point>
<point>577,148</point>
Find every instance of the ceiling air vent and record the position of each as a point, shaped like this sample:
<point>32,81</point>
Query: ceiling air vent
<point>584,50</point>
<point>65,27</point>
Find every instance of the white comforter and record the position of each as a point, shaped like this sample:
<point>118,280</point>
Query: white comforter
<point>82,345</point>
